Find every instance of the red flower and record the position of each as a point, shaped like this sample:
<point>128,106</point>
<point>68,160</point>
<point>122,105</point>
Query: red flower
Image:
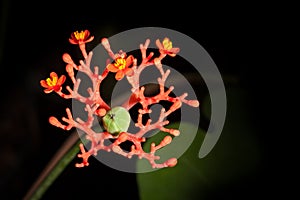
<point>121,66</point>
<point>53,83</point>
<point>80,38</point>
<point>166,47</point>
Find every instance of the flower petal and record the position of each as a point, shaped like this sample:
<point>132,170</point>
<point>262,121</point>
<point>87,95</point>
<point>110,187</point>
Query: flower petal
<point>86,34</point>
<point>44,84</point>
<point>172,54</point>
<point>174,50</point>
<point>112,68</point>
<point>159,44</point>
<point>129,61</point>
<point>48,90</point>
<point>128,71</point>
<point>90,39</point>
<point>53,75</point>
<point>73,41</point>
<point>61,80</point>
<point>119,75</point>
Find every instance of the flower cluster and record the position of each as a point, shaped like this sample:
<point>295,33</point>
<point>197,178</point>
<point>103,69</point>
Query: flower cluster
<point>116,120</point>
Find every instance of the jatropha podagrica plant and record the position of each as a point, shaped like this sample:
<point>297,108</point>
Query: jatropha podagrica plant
<point>115,121</point>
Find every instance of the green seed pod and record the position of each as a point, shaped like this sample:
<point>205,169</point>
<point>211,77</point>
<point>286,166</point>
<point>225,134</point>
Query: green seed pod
<point>116,120</point>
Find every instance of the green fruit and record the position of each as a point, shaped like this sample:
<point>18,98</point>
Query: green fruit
<point>116,120</point>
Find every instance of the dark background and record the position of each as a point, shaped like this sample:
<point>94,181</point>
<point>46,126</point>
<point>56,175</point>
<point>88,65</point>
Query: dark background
<point>33,38</point>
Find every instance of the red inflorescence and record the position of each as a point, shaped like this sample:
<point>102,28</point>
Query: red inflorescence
<point>124,66</point>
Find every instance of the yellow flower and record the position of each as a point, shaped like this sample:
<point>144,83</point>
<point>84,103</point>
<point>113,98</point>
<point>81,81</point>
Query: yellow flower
<point>121,66</point>
<point>166,47</point>
<point>80,37</point>
<point>53,83</point>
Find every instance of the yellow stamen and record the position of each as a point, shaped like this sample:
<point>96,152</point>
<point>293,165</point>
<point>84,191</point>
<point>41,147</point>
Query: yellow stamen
<point>120,63</point>
<point>79,36</point>
<point>167,44</point>
<point>51,82</point>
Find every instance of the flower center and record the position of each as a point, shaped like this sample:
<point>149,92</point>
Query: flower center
<point>79,36</point>
<point>120,63</point>
<point>167,44</point>
<point>51,82</point>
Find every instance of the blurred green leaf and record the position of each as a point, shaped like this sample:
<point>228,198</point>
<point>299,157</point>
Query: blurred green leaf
<point>235,155</point>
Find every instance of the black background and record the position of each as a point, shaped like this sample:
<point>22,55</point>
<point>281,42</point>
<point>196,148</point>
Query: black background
<point>33,38</point>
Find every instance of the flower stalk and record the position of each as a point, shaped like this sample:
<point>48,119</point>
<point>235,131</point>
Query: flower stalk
<point>57,164</point>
